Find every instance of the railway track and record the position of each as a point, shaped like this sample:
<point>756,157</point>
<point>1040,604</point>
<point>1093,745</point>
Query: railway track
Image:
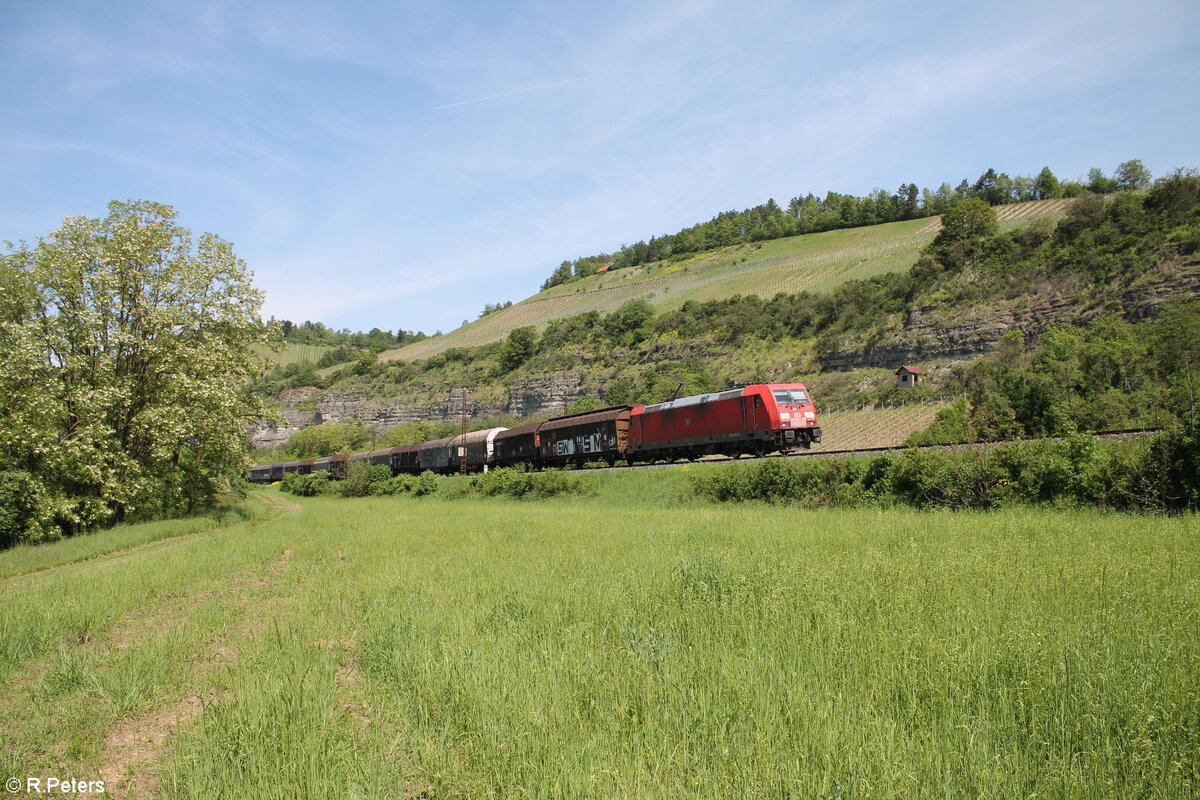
<point>1123,433</point>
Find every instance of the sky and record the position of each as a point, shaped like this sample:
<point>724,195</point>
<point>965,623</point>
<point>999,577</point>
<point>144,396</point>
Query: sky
<point>402,164</point>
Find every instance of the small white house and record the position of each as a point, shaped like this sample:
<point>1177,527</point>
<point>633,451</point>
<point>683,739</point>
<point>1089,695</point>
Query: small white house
<point>907,377</point>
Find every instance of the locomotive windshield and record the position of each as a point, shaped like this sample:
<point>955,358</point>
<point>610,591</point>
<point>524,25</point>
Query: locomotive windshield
<point>790,396</point>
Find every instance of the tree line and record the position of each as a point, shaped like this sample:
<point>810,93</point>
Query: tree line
<point>811,214</point>
<point>317,333</point>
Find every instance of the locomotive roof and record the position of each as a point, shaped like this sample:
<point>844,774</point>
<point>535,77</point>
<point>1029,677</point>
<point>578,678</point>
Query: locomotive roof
<point>681,402</point>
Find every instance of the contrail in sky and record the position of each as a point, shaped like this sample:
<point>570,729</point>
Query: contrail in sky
<point>569,81</point>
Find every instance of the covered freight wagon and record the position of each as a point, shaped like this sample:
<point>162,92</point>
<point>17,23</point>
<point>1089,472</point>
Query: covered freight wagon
<point>516,446</point>
<point>438,455</point>
<point>406,458</point>
<point>261,473</point>
<point>480,448</point>
<point>297,467</point>
<point>601,435</point>
<point>334,465</point>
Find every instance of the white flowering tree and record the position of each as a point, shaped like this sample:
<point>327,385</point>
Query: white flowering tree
<point>125,359</point>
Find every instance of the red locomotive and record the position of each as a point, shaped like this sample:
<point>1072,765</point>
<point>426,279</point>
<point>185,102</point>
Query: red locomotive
<point>757,419</point>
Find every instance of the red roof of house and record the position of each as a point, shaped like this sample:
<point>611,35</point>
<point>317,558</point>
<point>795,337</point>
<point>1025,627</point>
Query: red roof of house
<point>912,370</point>
<point>605,268</point>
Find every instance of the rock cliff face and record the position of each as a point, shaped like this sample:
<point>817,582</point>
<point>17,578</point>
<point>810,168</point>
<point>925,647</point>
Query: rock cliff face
<point>931,333</point>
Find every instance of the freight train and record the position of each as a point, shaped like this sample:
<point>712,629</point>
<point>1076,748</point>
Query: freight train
<point>755,419</point>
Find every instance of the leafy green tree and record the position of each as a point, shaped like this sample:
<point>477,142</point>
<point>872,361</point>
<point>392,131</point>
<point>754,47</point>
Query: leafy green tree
<point>519,346</point>
<point>1132,175</point>
<point>1047,185</point>
<point>627,321</point>
<point>991,188</point>
<point>328,439</point>
<point>126,363</point>
<point>971,219</point>
<point>1099,183</point>
<point>365,363</point>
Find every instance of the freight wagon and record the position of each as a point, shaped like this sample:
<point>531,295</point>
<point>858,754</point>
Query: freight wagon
<point>601,435</point>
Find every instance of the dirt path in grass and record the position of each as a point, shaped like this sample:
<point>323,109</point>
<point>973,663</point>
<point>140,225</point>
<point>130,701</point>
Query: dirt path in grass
<point>275,505</point>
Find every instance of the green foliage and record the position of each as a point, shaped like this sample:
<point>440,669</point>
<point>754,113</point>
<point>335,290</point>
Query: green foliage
<point>588,403</point>
<point>506,482</point>
<point>310,485</point>
<point>950,425</point>
<point>362,480</point>
<point>1163,475</point>
<point>23,510</point>
<point>1132,175</point>
<point>627,323</point>
<point>1109,374</point>
<point>127,361</point>
<point>970,219</point>
<point>1169,476</point>
<point>519,346</point>
<point>426,484</point>
<point>342,354</point>
<point>329,439</point>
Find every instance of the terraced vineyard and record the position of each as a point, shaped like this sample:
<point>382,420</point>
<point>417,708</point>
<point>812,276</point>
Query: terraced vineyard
<point>888,427</point>
<point>816,262</point>
<point>293,354</point>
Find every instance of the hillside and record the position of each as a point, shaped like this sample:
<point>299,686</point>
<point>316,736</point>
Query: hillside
<point>839,311</point>
<point>816,262</point>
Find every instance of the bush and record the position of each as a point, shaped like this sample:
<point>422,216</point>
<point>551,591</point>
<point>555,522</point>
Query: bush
<point>360,479</point>
<point>518,483</point>
<point>24,512</point>
<point>306,485</point>
<point>1077,471</point>
<point>1171,467</point>
<point>425,484</point>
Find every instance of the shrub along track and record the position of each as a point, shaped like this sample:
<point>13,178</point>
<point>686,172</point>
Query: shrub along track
<point>1127,433</point>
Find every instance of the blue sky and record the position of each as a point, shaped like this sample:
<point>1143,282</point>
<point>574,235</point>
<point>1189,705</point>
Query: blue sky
<point>402,164</point>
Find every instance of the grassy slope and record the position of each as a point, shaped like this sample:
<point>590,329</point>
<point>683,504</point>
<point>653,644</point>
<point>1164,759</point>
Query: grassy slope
<point>633,644</point>
<point>293,353</point>
<point>815,263</point>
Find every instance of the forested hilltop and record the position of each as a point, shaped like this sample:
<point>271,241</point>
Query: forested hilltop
<point>810,214</point>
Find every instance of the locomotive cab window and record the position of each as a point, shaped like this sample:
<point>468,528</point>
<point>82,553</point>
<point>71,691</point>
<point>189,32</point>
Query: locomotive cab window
<point>792,396</point>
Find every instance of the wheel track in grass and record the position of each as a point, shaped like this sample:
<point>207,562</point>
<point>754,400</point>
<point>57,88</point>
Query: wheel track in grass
<point>276,506</point>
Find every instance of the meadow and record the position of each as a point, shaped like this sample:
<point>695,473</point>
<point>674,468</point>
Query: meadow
<point>636,642</point>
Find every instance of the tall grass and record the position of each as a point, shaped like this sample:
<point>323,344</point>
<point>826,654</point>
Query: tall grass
<point>582,648</point>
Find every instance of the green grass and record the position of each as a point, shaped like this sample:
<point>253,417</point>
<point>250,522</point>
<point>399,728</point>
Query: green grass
<point>637,643</point>
<point>28,558</point>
